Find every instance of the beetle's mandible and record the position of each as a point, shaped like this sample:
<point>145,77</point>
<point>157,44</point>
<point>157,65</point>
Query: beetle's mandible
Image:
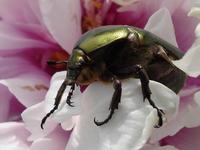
<point>114,53</point>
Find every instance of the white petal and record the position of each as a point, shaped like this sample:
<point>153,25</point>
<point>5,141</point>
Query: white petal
<point>13,136</point>
<point>62,18</point>
<point>197,32</point>
<point>34,5</point>
<point>46,143</point>
<point>32,117</point>
<point>55,141</point>
<point>64,111</point>
<point>165,99</point>
<point>160,23</point>
<point>4,103</point>
<point>185,117</point>
<point>195,3</point>
<point>152,147</point>
<point>190,62</point>
<point>130,126</point>
<point>124,2</point>
<point>197,98</point>
<point>173,6</point>
<point>69,124</point>
<point>190,121</point>
<point>195,12</point>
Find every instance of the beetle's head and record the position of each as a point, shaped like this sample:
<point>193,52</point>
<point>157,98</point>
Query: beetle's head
<point>77,61</point>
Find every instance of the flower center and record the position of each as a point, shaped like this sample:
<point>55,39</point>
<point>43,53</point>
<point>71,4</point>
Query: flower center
<point>58,56</point>
<point>92,16</point>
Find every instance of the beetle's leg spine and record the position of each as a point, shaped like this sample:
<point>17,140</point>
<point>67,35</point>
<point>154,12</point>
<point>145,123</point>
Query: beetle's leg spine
<point>160,52</point>
<point>114,102</point>
<point>57,102</point>
<point>68,101</point>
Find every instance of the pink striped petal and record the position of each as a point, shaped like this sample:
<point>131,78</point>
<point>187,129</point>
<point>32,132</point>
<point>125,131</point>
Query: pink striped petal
<point>29,88</point>
<point>17,12</point>
<point>63,19</point>
<point>21,36</point>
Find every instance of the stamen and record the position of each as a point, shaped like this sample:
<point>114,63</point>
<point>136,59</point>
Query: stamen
<point>58,56</point>
<point>97,4</point>
<point>92,18</point>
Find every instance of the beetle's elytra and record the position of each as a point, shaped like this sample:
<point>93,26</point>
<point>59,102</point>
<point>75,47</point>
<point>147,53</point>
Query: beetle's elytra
<point>114,53</point>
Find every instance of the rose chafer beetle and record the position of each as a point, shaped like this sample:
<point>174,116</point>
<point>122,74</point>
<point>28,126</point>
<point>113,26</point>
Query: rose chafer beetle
<point>113,53</point>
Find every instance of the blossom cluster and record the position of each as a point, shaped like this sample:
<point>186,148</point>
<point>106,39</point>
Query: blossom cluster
<point>34,31</point>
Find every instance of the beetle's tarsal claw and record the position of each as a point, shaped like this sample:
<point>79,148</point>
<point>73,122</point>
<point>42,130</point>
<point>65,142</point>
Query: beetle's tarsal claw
<point>106,120</point>
<point>68,101</point>
<point>98,123</point>
<point>115,101</point>
<point>160,113</point>
<point>47,116</point>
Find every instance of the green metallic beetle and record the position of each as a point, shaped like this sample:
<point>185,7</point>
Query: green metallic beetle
<point>114,53</point>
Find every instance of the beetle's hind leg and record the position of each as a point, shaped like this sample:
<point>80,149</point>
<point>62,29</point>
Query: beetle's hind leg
<point>147,92</point>
<point>114,102</point>
<point>142,74</point>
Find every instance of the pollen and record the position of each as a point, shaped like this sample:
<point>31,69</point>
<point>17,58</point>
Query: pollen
<point>40,87</point>
<point>34,88</point>
<point>92,17</point>
<point>90,22</point>
<point>59,55</point>
<point>97,4</point>
<point>28,88</point>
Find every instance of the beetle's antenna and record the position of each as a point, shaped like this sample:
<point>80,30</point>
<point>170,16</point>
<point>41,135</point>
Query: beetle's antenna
<point>53,62</point>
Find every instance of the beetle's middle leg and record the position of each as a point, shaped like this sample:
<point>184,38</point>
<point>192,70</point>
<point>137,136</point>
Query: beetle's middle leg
<point>114,102</point>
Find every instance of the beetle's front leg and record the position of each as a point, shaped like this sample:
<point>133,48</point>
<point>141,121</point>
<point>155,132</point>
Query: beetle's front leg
<point>68,101</point>
<point>57,102</point>
<point>114,102</point>
<point>140,71</point>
